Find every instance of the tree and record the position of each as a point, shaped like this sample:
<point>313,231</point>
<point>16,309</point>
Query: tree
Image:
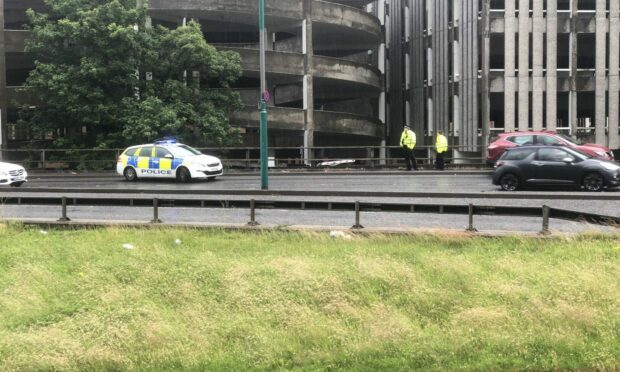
<point>102,78</point>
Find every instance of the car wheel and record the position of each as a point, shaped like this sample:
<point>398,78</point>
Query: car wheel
<point>17,184</point>
<point>509,182</point>
<point>130,174</point>
<point>593,182</point>
<point>183,175</point>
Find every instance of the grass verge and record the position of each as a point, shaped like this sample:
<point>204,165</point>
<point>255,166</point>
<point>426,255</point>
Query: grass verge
<point>220,300</point>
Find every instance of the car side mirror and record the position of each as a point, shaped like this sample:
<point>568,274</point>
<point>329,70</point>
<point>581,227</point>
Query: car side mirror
<point>568,160</point>
<point>168,156</point>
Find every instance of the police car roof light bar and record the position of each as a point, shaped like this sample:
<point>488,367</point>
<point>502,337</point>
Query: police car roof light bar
<point>166,141</point>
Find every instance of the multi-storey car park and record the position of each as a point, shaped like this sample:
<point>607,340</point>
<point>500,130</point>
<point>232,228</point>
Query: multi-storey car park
<point>475,67</point>
<point>468,67</point>
<point>323,69</point>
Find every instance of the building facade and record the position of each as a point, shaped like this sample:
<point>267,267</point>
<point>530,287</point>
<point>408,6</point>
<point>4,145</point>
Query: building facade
<point>323,65</point>
<point>476,67</point>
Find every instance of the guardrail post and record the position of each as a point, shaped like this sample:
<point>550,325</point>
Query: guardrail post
<point>156,211</point>
<point>357,225</point>
<point>253,214</point>
<point>471,227</point>
<point>43,161</point>
<point>64,217</point>
<point>546,212</point>
<point>370,154</point>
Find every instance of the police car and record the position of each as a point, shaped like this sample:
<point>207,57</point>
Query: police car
<point>167,159</point>
<point>12,174</point>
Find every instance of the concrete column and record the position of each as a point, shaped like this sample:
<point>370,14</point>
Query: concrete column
<point>524,64</point>
<point>469,35</point>
<point>538,30</point>
<point>430,118</point>
<point>456,115</point>
<point>552,64</point>
<point>509,66</point>
<point>456,103</point>
<point>572,104</point>
<point>417,53</point>
<point>3,100</point>
<point>308,82</point>
<point>614,71</point>
<point>486,63</point>
<point>457,71</point>
<point>601,72</point>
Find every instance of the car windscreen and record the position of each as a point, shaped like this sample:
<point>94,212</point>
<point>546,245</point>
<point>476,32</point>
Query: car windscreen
<point>182,151</point>
<point>569,139</point>
<point>578,154</point>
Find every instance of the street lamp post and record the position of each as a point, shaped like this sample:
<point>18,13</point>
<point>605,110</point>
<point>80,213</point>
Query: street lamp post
<point>264,166</point>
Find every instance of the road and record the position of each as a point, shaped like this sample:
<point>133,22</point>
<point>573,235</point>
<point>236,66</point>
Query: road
<point>449,183</point>
<point>399,181</point>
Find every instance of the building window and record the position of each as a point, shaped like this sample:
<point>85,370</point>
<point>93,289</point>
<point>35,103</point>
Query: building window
<point>563,51</point>
<point>586,53</point>
<point>517,51</point>
<point>531,52</point>
<point>496,101</point>
<point>498,5</point>
<point>497,52</point>
<point>563,5</point>
<point>563,112</point>
<point>587,5</point>
<point>586,103</point>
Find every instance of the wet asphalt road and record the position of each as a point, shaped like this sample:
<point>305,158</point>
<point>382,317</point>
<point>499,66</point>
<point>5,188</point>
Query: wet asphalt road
<point>403,182</point>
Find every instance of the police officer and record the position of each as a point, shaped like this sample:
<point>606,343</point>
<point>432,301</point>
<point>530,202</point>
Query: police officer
<point>407,142</point>
<point>441,147</point>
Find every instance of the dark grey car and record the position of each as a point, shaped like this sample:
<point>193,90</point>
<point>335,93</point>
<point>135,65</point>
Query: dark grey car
<point>554,166</point>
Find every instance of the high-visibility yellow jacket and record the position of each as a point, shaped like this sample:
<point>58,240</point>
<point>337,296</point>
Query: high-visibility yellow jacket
<point>442,144</point>
<point>408,139</point>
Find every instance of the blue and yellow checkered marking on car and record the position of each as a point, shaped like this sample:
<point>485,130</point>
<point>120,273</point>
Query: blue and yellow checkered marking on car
<point>177,162</point>
<point>165,164</point>
<point>149,165</point>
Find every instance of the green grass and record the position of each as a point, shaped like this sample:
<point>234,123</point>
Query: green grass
<point>76,300</point>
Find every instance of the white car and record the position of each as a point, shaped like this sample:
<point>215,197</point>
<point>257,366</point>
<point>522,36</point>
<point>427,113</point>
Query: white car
<point>12,174</point>
<point>167,159</point>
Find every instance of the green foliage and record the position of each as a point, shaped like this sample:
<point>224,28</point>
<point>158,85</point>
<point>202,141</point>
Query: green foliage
<point>77,300</point>
<point>104,79</point>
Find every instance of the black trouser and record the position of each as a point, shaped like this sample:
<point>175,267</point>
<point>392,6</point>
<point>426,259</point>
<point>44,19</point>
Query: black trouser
<point>410,159</point>
<point>439,162</point>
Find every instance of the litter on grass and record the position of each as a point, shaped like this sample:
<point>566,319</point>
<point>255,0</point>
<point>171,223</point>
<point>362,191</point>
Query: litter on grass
<point>340,235</point>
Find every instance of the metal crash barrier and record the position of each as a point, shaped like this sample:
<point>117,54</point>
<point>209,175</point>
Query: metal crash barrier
<point>357,207</point>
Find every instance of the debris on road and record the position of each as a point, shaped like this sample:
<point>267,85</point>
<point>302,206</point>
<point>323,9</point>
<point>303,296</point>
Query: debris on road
<point>336,163</point>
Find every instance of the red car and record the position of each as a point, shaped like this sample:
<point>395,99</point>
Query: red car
<point>514,139</point>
